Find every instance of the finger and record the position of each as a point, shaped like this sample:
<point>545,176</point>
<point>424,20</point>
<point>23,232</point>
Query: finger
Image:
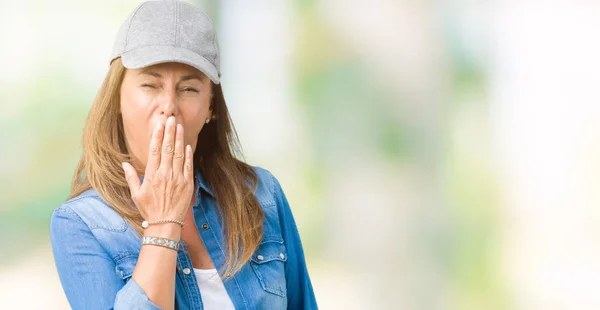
<point>179,153</point>
<point>168,144</point>
<point>132,178</point>
<point>154,150</point>
<point>188,167</point>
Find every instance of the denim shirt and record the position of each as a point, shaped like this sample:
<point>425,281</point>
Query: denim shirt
<point>96,250</point>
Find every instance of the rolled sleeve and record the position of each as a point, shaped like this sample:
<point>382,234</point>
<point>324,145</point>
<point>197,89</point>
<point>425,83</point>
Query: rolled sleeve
<point>86,271</point>
<point>132,296</point>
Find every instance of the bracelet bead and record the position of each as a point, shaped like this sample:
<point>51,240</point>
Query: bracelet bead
<point>145,224</point>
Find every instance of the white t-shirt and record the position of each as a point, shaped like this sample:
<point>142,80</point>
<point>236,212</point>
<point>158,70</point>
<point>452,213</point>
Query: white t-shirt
<point>212,290</point>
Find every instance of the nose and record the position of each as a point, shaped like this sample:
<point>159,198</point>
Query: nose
<point>168,104</point>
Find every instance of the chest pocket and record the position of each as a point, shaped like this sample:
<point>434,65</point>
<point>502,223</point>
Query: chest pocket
<point>125,266</point>
<point>268,263</point>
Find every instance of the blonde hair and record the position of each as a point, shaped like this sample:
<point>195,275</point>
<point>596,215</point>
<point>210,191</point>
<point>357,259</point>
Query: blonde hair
<point>104,149</point>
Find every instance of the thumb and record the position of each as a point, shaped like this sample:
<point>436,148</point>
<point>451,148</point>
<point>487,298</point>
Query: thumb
<point>132,178</point>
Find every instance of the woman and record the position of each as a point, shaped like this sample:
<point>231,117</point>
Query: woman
<point>161,214</point>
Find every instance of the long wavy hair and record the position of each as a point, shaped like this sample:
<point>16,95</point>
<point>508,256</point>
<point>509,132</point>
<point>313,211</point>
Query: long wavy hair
<point>231,180</point>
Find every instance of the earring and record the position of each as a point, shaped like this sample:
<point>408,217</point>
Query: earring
<point>207,121</point>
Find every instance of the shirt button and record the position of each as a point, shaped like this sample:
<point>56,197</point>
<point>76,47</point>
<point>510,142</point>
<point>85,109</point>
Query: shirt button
<point>186,270</point>
<point>205,226</point>
<point>281,255</point>
<point>228,275</point>
<point>260,257</point>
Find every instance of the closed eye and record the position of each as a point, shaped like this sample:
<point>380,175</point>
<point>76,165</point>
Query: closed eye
<point>190,89</point>
<point>148,85</point>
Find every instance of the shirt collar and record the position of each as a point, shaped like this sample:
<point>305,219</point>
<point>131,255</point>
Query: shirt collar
<point>201,183</point>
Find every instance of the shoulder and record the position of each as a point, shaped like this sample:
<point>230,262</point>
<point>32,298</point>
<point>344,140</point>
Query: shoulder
<point>268,186</point>
<point>92,210</point>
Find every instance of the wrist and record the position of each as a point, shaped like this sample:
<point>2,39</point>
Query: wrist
<point>164,230</point>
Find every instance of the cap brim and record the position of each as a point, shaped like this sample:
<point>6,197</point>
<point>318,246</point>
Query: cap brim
<point>151,55</point>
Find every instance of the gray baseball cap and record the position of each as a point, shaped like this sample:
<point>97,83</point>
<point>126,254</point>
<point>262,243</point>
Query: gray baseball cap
<point>168,31</point>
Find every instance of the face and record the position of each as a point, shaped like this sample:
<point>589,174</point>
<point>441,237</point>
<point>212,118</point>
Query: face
<point>150,95</point>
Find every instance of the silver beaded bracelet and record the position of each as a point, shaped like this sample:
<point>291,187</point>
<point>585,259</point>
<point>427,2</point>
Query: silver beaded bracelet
<point>164,242</point>
<point>145,224</point>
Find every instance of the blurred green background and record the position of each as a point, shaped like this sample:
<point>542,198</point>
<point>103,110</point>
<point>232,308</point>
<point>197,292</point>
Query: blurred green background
<point>436,154</point>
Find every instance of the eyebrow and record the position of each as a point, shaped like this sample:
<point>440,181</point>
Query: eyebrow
<point>183,78</point>
<point>190,77</point>
<point>152,73</point>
